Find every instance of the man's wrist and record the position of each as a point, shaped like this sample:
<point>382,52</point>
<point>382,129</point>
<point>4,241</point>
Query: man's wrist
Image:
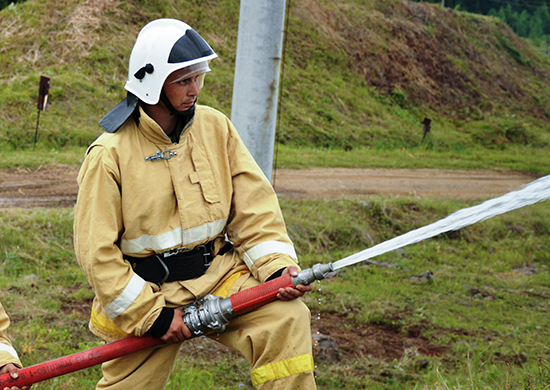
<point>162,323</point>
<point>276,274</point>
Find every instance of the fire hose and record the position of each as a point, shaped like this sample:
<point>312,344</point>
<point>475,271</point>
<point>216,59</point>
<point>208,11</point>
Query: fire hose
<point>210,314</point>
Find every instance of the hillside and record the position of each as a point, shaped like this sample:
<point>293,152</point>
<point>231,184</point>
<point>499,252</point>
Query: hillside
<point>356,74</point>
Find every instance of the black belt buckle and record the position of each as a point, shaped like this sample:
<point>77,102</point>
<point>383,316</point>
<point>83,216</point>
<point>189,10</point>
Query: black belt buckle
<point>173,252</point>
<point>205,255</point>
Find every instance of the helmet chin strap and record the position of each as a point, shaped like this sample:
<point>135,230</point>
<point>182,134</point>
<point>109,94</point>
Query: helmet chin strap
<point>186,115</point>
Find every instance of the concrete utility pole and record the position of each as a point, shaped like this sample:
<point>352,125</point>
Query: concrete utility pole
<point>256,83</point>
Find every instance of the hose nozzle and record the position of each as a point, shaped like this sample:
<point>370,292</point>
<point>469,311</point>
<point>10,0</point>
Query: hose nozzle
<point>317,272</point>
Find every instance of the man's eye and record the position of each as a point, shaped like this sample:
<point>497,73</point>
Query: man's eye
<point>189,80</point>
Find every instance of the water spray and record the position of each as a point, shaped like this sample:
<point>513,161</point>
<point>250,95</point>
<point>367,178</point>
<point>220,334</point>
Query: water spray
<point>532,193</point>
<point>212,313</point>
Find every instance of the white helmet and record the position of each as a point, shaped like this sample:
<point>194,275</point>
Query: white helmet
<point>162,47</point>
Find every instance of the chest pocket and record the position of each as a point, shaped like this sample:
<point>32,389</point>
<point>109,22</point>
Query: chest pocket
<point>204,175</point>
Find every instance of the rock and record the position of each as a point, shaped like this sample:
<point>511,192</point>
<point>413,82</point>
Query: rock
<point>325,348</point>
<point>427,276</point>
<point>422,364</point>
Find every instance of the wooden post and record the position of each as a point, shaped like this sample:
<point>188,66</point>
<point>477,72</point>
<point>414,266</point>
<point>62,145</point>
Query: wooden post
<point>427,122</point>
<point>43,90</point>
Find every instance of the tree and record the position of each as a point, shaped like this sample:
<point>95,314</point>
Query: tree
<point>5,3</point>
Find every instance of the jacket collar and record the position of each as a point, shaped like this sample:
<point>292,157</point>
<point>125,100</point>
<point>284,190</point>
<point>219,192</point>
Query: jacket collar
<point>151,129</point>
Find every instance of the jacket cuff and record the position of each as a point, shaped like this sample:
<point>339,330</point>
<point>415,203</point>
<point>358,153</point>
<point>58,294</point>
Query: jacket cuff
<point>7,358</point>
<point>265,269</point>
<point>162,323</point>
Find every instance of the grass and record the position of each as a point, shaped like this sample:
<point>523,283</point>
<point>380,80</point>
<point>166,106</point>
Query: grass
<point>513,158</point>
<point>34,158</point>
<point>485,308</point>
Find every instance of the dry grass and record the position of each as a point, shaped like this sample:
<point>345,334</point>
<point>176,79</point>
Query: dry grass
<point>84,22</point>
<point>57,35</point>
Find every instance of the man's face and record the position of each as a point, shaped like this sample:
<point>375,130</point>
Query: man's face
<point>182,93</point>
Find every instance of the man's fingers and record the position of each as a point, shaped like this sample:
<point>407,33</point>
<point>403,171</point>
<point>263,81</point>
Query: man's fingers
<point>289,294</point>
<point>11,369</point>
<point>187,333</point>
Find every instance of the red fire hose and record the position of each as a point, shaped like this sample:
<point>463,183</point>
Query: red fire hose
<point>239,303</point>
<point>252,298</point>
<point>78,361</point>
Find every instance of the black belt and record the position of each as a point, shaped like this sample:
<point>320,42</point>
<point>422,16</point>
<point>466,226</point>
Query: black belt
<point>175,265</point>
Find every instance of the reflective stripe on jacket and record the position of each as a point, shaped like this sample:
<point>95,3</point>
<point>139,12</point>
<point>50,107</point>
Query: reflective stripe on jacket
<point>7,352</point>
<point>140,194</point>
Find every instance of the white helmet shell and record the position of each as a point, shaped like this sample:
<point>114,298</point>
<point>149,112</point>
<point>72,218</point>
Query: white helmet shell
<point>162,47</point>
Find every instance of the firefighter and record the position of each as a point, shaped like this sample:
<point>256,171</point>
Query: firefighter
<point>172,207</point>
<point>9,360</point>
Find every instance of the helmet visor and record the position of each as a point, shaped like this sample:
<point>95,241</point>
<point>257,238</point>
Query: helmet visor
<point>193,70</point>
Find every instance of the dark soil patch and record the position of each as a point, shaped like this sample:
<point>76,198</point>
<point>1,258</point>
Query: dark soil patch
<point>335,338</point>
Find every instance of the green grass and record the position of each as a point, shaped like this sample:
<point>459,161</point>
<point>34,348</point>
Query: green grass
<point>513,158</point>
<point>34,158</point>
<point>484,308</point>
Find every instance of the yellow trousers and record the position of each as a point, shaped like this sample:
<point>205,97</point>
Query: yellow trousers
<point>275,338</point>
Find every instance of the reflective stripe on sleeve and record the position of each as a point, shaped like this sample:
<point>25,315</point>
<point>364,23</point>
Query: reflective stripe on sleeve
<point>268,248</point>
<point>173,237</point>
<point>9,349</point>
<point>126,298</point>
<point>282,369</point>
<point>106,325</point>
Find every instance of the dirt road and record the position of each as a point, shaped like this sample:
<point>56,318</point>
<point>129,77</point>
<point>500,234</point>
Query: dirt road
<point>55,185</point>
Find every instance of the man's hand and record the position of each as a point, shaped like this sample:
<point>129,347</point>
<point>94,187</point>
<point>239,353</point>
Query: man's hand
<point>178,331</point>
<point>290,293</point>
<point>13,371</point>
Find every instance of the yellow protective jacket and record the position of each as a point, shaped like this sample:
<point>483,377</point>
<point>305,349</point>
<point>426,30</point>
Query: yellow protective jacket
<point>141,194</point>
<point>7,352</point>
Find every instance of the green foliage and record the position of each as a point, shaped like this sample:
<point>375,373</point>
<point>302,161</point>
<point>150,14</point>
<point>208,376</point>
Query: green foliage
<point>526,23</point>
<point>527,19</point>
